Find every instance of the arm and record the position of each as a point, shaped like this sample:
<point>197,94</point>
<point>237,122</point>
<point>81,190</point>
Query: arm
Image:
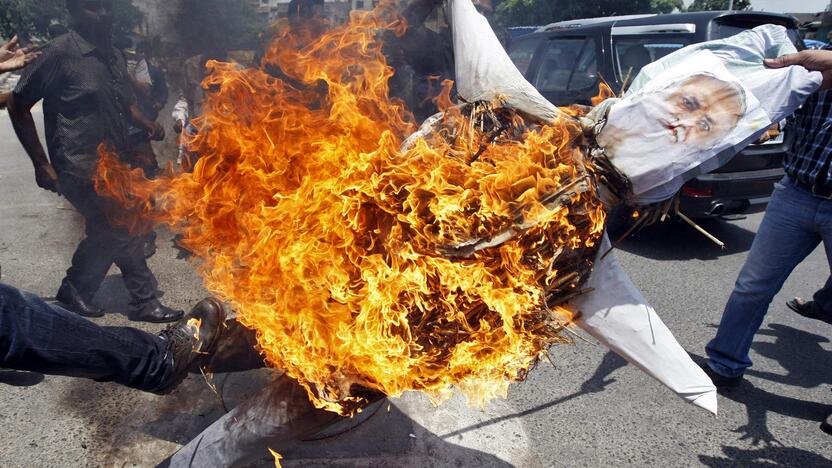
<point>140,78</point>
<point>156,131</point>
<point>815,60</point>
<point>24,126</point>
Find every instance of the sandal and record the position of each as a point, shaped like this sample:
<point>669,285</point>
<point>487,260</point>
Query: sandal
<point>809,309</point>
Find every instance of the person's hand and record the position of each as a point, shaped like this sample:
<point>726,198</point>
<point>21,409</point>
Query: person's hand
<point>815,60</point>
<point>46,177</point>
<point>7,49</point>
<point>13,58</point>
<point>157,133</point>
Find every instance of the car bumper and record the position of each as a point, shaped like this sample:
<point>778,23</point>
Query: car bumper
<point>720,194</point>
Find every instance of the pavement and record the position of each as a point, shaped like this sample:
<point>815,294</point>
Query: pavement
<point>590,409</point>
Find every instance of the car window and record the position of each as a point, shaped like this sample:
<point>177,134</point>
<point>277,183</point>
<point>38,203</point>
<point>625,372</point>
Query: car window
<point>568,64</point>
<point>634,52</point>
<point>720,30</point>
<point>727,27</point>
<point>521,52</point>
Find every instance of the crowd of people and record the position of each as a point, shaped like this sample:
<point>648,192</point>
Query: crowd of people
<point>91,96</point>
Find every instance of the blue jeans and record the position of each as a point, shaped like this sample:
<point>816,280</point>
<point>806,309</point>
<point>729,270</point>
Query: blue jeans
<point>36,336</point>
<point>794,224</point>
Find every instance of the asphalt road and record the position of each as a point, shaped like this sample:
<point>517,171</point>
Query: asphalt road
<point>590,410</point>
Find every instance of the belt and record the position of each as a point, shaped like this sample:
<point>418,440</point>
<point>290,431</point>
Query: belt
<point>817,190</point>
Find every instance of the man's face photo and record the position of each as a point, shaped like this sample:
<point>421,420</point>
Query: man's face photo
<point>666,125</point>
<point>697,112</point>
<point>701,111</point>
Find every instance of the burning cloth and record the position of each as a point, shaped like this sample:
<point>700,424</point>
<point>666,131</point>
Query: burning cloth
<point>685,114</point>
<point>370,265</point>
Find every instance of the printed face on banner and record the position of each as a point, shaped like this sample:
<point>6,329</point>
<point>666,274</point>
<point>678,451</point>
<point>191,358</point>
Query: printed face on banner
<point>679,120</point>
<point>695,113</point>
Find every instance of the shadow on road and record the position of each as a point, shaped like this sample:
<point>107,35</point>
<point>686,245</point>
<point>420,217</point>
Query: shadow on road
<point>675,240</point>
<point>806,364</point>
<point>800,353</point>
<point>597,383</point>
<point>17,378</point>
<point>112,296</point>
<point>770,456</point>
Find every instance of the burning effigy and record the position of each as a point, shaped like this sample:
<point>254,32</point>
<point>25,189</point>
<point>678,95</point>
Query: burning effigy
<point>374,256</point>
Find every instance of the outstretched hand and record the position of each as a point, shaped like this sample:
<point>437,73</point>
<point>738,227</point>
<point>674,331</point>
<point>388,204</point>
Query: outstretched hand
<point>7,49</point>
<point>815,60</point>
<point>14,58</point>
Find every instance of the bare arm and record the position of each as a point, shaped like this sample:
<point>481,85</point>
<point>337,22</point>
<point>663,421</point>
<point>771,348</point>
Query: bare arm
<point>141,88</point>
<point>24,126</point>
<point>156,131</point>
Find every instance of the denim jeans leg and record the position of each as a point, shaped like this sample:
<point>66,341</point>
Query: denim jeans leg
<point>823,296</point>
<point>787,234</point>
<point>36,336</point>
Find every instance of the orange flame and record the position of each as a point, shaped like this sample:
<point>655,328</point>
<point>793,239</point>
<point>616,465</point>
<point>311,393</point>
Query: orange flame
<point>333,244</point>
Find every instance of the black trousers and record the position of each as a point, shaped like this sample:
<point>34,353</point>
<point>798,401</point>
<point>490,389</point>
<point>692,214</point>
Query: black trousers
<point>104,245</point>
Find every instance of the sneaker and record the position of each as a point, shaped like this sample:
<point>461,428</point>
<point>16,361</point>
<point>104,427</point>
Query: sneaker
<point>809,309</point>
<point>720,381</point>
<point>191,340</point>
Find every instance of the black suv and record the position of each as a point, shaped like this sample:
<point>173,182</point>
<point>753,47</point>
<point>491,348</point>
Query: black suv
<point>566,61</point>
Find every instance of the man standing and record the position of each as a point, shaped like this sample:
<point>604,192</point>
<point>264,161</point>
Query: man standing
<point>87,101</point>
<point>151,95</point>
<point>797,219</point>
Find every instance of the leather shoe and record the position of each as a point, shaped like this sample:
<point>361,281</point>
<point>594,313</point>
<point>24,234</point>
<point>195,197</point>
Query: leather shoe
<point>154,312</point>
<point>826,425</point>
<point>720,381</point>
<point>70,299</point>
<point>192,340</point>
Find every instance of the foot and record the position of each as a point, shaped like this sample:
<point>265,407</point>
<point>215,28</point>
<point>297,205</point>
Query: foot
<point>70,299</point>
<point>155,312</point>
<point>192,340</point>
<point>809,309</point>
<point>720,381</point>
<point>826,426</point>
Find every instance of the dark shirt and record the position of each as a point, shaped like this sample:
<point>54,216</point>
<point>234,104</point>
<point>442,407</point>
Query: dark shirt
<point>808,160</point>
<point>86,96</point>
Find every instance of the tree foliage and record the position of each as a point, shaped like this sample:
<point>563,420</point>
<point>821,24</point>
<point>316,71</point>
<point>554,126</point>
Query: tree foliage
<point>704,5</point>
<point>538,12</point>
<point>31,18</point>
<point>666,6</point>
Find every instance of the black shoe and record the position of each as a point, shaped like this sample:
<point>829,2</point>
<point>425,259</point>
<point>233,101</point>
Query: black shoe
<point>826,426</point>
<point>809,309</point>
<point>720,381</point>
<point>192,340</point>
<point>155,312</point>
<point>70,299</point>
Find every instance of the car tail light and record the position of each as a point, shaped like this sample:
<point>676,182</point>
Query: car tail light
<point>697,192</point>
